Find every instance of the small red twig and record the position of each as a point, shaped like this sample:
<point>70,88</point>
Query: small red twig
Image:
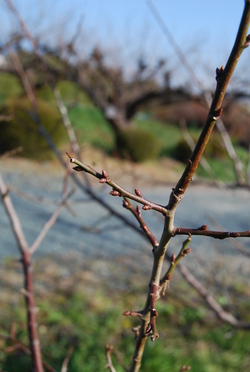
<point>212,233</point>
<point>138,215</point>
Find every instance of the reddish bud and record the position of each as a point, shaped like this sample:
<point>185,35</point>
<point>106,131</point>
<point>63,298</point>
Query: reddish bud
<point>187,251</point>
<point>138,193</point>
<point>125,204</point>
<point>173,258</point>
<point>154,312</point>
<point>105,174</point>
<point>217,113</point>
<point>78,168</point>
<point>148,329</point>
<point>247,42</point>
<point>115,193</point>
<point>126,313</point>
<point>138,210</point>
<point>219,72</point>
<point>102,180</point>
<point>203,227</point>
<point>146,207</point>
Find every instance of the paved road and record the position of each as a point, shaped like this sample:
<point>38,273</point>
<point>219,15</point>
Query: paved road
<point>229,208</point>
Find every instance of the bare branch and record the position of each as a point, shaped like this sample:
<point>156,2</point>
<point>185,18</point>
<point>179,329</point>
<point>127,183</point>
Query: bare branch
<point>210,300</point>
<point>117,190</point>
<point>49,224</point>
<point>14,219</point>
<point>108,354</point>
<point>214,234</point>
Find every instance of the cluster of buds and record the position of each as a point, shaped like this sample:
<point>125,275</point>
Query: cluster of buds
<point>104,178</point>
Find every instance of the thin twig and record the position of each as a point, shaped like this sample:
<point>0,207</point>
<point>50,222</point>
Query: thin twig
<point>202,231</point>
<point>67,359</point>
<point>117,189</point>
<point>108,355</point>
<point>210,300</point>
<point>49,223</point>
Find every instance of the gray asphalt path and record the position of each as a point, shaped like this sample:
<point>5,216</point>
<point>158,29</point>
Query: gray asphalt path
<point>93,233</point>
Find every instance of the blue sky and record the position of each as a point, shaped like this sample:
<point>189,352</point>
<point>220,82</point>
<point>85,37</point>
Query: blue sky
<point>205,30</point>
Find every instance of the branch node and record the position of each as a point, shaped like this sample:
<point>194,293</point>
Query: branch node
<point>203,227</point>
<point>219,72</point>
<point>125,204</point>
<point>186,251</point>
<point>217,113</point>
<point>115,193</point>
<point>146,207</point>
<point>247,42</point>
<point>102,180</point>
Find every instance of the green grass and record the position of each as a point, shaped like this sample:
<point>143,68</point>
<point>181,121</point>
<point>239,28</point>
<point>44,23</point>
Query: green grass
<point>92,128</point>
<point>10,86</point>
<point>83,311</point>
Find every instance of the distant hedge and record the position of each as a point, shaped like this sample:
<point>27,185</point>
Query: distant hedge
<point>21,130</point>
<point>214,149</point>
<point>137,145</point>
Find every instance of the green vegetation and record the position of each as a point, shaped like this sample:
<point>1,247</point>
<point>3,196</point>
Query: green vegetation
<point>23,131</point>
<point>92,128</point>
<point>10,86</point>
<point>137,144</point>
<point>76,312</point>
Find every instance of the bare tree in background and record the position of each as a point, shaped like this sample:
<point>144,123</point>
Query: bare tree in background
<point>159,281</point>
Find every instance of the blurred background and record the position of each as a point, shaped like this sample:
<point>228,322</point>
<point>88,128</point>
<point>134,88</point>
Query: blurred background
<point>126,87</point>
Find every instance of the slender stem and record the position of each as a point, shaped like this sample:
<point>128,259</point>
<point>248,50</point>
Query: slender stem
<point>179,190</point>
<point>212,233</point>
<point>28,279</point>
<point>215,108</point>
<point>119,191</point>
<point>37,365</point>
